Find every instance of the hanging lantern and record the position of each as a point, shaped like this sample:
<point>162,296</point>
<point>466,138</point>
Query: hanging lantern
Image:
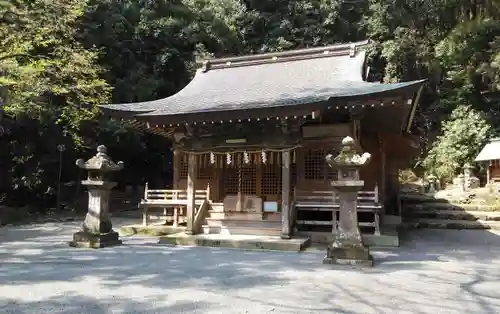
<point>228,159</point>
<point>212,158</point>
<point>246,158</point>
<point>263,156</point>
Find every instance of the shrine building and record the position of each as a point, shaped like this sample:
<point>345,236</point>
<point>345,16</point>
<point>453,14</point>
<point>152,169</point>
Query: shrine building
<point>250,135</point>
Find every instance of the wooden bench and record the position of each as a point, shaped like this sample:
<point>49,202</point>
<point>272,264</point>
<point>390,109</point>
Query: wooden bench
<point>368,202</point>
<point>169,199</point>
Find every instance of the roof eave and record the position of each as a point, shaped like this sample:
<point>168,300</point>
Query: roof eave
<point>120,114</point>
<point>416,101</point>
<point>278,111</point>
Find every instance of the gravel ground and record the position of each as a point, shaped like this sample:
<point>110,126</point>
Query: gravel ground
<point>443,271</point>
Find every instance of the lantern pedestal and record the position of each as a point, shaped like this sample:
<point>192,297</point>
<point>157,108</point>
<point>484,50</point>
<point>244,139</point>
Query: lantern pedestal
<point>83,239</point>
<point>347,247</point>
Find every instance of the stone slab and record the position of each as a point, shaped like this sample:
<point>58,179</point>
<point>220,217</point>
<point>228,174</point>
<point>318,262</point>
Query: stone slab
<point>245,242</point>
<point>84,239</point>
<point>150,230</point>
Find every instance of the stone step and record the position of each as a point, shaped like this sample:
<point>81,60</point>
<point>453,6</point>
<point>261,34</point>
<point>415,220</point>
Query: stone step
<point>241,230</point>
<point>244,242</point>
<point>243,223</point>
<point>457,215</point>
<point>420,198</point>
<point>235,215</point>
<point>242,226</point>
<point>450,206</point>
<point>452,224</point>
<point>217,207</point>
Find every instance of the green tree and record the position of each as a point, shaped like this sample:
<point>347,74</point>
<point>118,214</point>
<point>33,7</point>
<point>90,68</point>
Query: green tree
<point>50,86</point>
<point>463,135</point>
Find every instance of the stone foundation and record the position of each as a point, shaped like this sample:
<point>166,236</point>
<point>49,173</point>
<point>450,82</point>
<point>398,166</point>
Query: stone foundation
<point>348,255</point>
<point>84,239</point>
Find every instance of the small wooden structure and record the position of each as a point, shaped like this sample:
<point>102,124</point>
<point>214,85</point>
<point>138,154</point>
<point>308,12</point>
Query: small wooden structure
<point>175,200</point>
<point>254,131</point>
<point>490,154</point>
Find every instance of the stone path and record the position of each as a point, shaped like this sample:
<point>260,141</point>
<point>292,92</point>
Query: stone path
<point>443,271</point>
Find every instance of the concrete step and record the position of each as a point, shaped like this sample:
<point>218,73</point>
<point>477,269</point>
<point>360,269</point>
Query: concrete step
<point>456,215</point>
<point>452,224</point>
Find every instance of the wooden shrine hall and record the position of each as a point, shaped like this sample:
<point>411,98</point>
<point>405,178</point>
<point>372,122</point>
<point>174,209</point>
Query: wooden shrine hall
<point>250,135</point>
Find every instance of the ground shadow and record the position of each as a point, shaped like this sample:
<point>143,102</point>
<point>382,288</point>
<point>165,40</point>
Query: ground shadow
<point>442,270</point>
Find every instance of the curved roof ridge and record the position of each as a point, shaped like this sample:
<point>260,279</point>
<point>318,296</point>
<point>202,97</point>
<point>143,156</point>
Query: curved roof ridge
<point>284,56</point>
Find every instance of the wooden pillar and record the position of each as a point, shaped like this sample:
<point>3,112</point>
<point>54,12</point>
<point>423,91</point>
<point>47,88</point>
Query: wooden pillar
<point>191,183</point>
<point>383,181</point>
<point>175,183</point>
<point>285,195</point>
<point>177,167</point>
<point>488,172</point>
<point>300,166</point>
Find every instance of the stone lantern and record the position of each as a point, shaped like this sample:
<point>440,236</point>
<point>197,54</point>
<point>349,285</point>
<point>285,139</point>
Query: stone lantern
<point>96,230</point>
<point>347,246</point>
<point>433,183</point>
<point>471,182</point>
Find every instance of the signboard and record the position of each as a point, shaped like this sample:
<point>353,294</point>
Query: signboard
<point>271,207</point>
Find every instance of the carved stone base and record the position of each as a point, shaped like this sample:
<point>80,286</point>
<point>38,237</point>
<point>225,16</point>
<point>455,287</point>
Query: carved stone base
<point>84,239</point>
<point>349,255</point>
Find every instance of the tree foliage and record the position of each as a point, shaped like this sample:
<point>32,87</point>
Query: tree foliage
<point>461,140</point>
<point>60,58</point>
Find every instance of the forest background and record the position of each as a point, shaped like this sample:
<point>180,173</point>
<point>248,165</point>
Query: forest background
<point>61,58</point>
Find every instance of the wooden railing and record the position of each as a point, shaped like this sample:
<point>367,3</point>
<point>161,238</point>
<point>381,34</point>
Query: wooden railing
<point>200,216</point>
<point>166,200</point>
<point>368,201</point>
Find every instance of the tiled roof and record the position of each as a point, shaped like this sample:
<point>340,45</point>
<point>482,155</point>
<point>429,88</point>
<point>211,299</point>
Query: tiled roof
<point>270,81</point>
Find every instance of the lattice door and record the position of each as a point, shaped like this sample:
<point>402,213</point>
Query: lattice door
<point>231,179</point>
<point>183,166</point>
<point>248,179</point>
<point>205,168</point>
<point>271,181</point>
<point>314,164</point>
